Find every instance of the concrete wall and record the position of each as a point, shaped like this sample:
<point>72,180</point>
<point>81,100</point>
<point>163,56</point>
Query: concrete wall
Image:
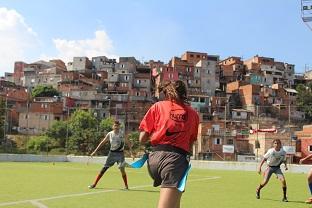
<point>31,158</point>
<point>244,166</point>
<point>201,164</point>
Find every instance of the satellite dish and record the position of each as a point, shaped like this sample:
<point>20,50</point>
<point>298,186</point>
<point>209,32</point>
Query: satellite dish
<point>306,12</point>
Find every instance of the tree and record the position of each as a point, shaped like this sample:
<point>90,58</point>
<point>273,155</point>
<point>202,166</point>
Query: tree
<point>44,91</point>
<point>40,144</point>
<point>304,99</point>
<point>59,131</point>
<point>84,136</point>
<point>133,137</point>
<point>106,125</point>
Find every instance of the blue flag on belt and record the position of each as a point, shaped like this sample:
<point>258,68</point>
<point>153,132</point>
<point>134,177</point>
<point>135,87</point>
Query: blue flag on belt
<point>140,162</point>
<point>182,183</point>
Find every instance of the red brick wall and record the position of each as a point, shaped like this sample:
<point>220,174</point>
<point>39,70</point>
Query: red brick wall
<point>305,136</point>
<point>305,143</point>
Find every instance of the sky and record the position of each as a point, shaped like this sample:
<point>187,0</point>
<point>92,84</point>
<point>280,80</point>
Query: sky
<point>36,30</point>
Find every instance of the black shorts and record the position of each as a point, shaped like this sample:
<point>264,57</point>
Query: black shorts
<point>167,168</point>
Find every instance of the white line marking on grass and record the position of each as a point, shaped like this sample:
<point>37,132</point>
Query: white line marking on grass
<point>206,178</point>
<point>37,203</point>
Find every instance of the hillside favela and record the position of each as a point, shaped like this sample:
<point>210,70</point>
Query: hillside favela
<point>51,107</point>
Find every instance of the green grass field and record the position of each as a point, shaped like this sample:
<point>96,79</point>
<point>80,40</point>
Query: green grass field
<point>64,185</point>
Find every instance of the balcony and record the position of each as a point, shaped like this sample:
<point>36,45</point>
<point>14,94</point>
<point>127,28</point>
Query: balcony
<point>221,132</point>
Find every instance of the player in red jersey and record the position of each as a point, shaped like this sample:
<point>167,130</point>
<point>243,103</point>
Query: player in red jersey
<point>309,200</point>
<point>171,126</point>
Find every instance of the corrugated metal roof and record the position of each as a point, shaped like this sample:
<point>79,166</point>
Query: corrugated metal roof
<point>291,90</point>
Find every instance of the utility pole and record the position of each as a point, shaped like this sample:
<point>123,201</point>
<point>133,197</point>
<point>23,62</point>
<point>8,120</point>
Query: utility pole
<point>257,144</point>
<point>289,119</point>
<point>27,111</point>
<point>290,133</point>
<point>224,134</point>
<point>109,106</point>
<point>5,119</point>
<point>225,109</point>
<point>66,142</point>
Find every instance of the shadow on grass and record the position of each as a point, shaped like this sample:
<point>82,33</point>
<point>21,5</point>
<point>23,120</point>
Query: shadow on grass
<point>289,201</point>
<point>142,190</point>
<point>125,190</point>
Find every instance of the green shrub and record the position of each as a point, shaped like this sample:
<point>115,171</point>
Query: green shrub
<point>39,144</point>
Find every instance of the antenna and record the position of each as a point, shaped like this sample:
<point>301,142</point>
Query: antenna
<point>306,12</point>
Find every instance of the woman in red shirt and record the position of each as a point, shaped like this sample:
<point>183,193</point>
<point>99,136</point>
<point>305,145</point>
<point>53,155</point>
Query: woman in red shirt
<point>171,126</point>
<point>309,200</point>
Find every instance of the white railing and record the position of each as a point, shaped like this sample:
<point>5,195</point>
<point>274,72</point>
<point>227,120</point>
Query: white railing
<point>202,164</point>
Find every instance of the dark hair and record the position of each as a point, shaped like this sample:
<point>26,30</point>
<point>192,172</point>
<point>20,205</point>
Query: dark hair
<point>277,140</point>
<point>116,123</point>
<point>174,90</point>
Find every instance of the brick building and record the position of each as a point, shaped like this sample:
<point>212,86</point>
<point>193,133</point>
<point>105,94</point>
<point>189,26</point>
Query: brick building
<point>304,138</point>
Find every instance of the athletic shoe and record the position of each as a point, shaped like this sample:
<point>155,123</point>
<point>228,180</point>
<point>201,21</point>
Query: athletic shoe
<point>91,186</point>
<point>257,194</point>
<point>285,199</point>
<point>309,201</point>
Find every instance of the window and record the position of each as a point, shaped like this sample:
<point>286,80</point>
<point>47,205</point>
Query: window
<point>238,113</point>
<point>138,81</point>
<point>208,71</point>
<point>310,148</point>
<point>197,56</point>
<point>126,78</point>
<point>215,127</point>
<point>44,105</point>
<point>26,116</point>
<point>217,141</point>
<point>230,141</point>
<point>137,93</point>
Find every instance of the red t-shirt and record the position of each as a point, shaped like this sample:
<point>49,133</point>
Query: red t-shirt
<point>171,123</point>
